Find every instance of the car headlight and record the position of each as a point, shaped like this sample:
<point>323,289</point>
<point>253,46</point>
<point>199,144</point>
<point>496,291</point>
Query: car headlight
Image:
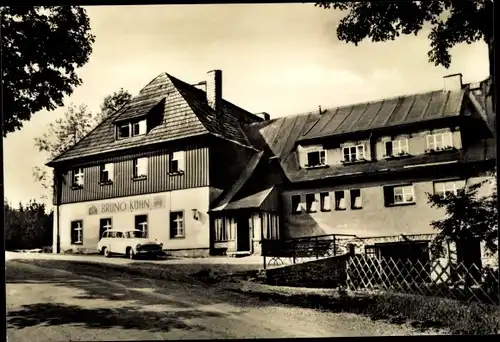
<point>138,246</point>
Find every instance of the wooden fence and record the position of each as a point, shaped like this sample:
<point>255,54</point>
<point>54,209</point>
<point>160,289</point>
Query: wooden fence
<point>432,278</point>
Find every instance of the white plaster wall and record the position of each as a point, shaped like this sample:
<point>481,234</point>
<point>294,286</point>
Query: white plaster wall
<point>196,231</point>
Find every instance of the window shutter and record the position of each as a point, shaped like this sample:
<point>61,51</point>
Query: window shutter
<point>142,127</point>
<point>180,157</point>
<point>111,170</point>
<point>142,166</point>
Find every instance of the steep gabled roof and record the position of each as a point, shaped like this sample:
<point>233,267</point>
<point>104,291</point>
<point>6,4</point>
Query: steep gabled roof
<point>186,113</point>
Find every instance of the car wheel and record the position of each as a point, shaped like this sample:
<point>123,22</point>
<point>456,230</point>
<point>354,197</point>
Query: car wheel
<point>131,253</point>
<point>106,252</point>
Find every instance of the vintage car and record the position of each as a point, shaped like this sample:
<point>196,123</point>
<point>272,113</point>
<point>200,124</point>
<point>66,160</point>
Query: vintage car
<point>129,242</point>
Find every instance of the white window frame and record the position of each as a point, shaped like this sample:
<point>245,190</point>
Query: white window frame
<point>180,157</point>
<point>142,127</point>
<point>359,153</point>
<point>322,158</point>
<point>445,186</point>
<point>79,232</point>
<point>78,177</point>
<point>180,231</point>
<point>433,140</point>
<point>404,191</point>
<point>140,167</point>
<point>398,146</point>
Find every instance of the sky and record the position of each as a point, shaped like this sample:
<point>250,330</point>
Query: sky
<point>282,59</point>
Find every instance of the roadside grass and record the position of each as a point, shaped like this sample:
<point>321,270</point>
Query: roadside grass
<point>421,312</point>
<point>206,273</point>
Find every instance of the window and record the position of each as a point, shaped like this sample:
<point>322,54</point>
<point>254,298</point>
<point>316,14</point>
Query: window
<point>107,173</point>
<point>139,128</point>
<point>356,199</point>
<point>316,158</point>
<point>353,153</point>
<point>140,167</point>
<point>177,162</point>
<point>440,141</point>
<point>104,224</point>
<point>311,203</point>
<point>444,189</point>
<point>340,200</point>
<point>399,195</point>
<point>325,201</point>
<point>220,230</point>
<point>397,147</point>
<point>132,129</point>
<point>177,224</point>
<point>371,252</point>
<point>124,131</point>
<point>78,177</point>
<point>141,223</point>
<point>296,205</point>
<point>77,232</point>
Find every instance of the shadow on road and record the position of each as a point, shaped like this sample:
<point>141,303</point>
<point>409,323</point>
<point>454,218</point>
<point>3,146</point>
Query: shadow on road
<point>125,317</point>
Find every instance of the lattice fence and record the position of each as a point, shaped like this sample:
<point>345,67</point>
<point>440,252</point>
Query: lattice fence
<point>432,278</point>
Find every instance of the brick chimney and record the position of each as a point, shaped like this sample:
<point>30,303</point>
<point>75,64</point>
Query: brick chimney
<point>214,89</point>
<point>452,82</point>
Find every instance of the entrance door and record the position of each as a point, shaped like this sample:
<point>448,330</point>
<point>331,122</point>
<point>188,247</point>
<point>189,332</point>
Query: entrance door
<point>243,233</point>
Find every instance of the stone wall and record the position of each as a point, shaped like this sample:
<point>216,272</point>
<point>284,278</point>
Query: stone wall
<point>328,273</point>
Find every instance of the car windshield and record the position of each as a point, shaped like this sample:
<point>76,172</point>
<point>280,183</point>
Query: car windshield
<point>135,234</point>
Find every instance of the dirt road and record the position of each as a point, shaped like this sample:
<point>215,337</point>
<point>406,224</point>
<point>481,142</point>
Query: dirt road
<point>85,303</point>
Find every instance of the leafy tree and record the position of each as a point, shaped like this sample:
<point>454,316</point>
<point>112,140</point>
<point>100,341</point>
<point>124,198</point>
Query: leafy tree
<point>41,48</point>
<point>468,217</point>
<point>65,132</point>
<point>112,103</point>
<point>452,23</point>
<point>27,227</point>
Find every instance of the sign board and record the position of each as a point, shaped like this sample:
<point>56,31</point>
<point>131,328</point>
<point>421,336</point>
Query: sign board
<point>149,203</point>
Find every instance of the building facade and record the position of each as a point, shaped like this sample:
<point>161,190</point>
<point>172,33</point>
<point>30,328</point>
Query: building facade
<point>203,176</point>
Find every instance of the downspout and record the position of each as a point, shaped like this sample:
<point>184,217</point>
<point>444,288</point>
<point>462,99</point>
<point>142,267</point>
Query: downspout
<point>371,146</point>
<point>58,201</point>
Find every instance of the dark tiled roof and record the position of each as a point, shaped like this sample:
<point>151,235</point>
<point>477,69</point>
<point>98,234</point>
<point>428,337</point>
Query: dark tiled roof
<point>388,112</point>
<point>138,109</point>
<point>186,113</point>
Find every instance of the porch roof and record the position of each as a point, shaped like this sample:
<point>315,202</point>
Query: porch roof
<point>252,201</point>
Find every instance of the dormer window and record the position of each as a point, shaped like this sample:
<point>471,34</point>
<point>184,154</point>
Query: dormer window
<point>353,153</point>
<point>398,147</point>
<point>131,129</point>
<point>439,141</point>
<point>316,158</point>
